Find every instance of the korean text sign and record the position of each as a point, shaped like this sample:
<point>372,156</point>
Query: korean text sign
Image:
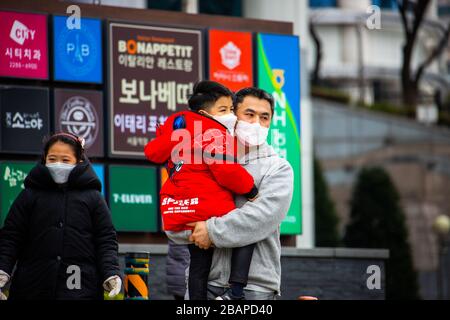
<point>25,119</point>
<point>279,74</point>
<point>77,53</point>
<point>12,177</point>
<point>152,71</point>
<point>23,45</point>
<point>231,58</point>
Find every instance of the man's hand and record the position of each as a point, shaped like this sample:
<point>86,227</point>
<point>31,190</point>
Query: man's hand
<point>200,235</point>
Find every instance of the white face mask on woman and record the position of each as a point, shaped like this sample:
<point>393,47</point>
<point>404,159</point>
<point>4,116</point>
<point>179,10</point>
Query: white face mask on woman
<point>60,171</point>
<point>251,134</point>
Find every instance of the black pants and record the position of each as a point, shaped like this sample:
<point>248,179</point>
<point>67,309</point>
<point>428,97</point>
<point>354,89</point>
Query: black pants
<point>200,265</point>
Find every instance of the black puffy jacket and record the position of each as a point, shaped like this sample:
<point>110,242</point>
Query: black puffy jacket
<point>51,227</point>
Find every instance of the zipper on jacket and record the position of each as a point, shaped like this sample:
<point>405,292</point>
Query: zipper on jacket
<point>62,219</point>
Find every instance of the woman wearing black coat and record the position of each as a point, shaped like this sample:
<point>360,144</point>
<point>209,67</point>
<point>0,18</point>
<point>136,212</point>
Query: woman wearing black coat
<point>58,227</point>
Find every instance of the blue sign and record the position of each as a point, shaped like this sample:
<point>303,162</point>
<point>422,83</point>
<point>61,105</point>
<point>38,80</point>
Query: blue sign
<point>99,170</point>
<point>77,54</point>
<point>281,77</point>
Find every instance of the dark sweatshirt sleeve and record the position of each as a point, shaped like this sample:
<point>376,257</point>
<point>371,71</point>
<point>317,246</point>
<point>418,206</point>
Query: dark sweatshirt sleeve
<point>14,231</point>
<point>105,241</point>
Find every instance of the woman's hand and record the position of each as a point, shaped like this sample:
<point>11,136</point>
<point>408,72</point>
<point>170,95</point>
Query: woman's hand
<point>113,285</point>
<point>4,278</point>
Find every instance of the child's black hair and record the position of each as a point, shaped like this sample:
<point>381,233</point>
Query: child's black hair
<point>75,142</point>
<point>206,93</point>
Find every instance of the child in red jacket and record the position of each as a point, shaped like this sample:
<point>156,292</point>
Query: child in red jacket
<point>199,151</point>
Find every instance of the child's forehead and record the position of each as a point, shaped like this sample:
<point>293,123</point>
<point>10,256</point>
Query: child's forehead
<point>60,147</point>
<point>224,102</point>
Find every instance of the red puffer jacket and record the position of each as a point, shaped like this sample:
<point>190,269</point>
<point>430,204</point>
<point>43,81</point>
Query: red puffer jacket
<point>199,187</point>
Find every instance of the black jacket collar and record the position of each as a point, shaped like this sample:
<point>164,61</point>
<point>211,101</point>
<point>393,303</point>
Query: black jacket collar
<point>81,177</point>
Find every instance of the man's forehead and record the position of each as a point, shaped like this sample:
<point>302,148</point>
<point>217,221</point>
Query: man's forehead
<point>257,109</point>
<point>255,104</point>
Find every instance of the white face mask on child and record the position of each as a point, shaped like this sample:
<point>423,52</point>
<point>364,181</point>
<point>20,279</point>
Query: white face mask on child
<point>228,120</point>
<point>60,171</point>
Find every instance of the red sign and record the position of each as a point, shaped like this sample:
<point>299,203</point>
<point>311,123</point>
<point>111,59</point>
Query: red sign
<point>23,45</point>
<point>231,58</point>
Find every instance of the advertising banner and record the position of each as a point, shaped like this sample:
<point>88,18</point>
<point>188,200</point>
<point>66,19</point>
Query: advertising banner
<point>133,198</point>
<point>80,112</point>
<point>279,74</point>
<point>24,119</point>
<point>77,53</point>
<point>152,71</point>
<point>12,177</point>
<point>231,58</point>
<point>23,45</point>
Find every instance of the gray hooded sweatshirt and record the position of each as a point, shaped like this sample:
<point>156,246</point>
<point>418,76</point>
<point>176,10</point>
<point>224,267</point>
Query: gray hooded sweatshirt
<point>253,222</point>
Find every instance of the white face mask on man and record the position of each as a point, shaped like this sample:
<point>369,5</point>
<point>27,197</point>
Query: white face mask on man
<point>251,134</point>
<point>60,171</point>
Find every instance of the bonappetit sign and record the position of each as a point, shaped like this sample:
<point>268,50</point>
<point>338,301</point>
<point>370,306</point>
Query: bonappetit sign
<point>152,71</point>
<point>23,45</point>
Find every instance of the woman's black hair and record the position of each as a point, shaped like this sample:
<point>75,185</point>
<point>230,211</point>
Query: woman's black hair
<point>75,142</point>
<point>206,93</point>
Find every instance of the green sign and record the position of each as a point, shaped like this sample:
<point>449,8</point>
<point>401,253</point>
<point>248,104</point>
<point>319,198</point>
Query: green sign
<point>12,176</point>
<point>279,74</point>
<point>133,198</point>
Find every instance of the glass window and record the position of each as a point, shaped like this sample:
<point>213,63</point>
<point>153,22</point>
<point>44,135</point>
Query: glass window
<point>225,8</point>
<point>170,5</point>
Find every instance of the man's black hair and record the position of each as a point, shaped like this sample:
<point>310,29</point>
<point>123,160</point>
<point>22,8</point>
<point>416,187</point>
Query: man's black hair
<point>254,92</point>
<point>206,93</point>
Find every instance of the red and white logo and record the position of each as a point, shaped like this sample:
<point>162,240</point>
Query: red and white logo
<point>20,32</point>
<point>231,55</point>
